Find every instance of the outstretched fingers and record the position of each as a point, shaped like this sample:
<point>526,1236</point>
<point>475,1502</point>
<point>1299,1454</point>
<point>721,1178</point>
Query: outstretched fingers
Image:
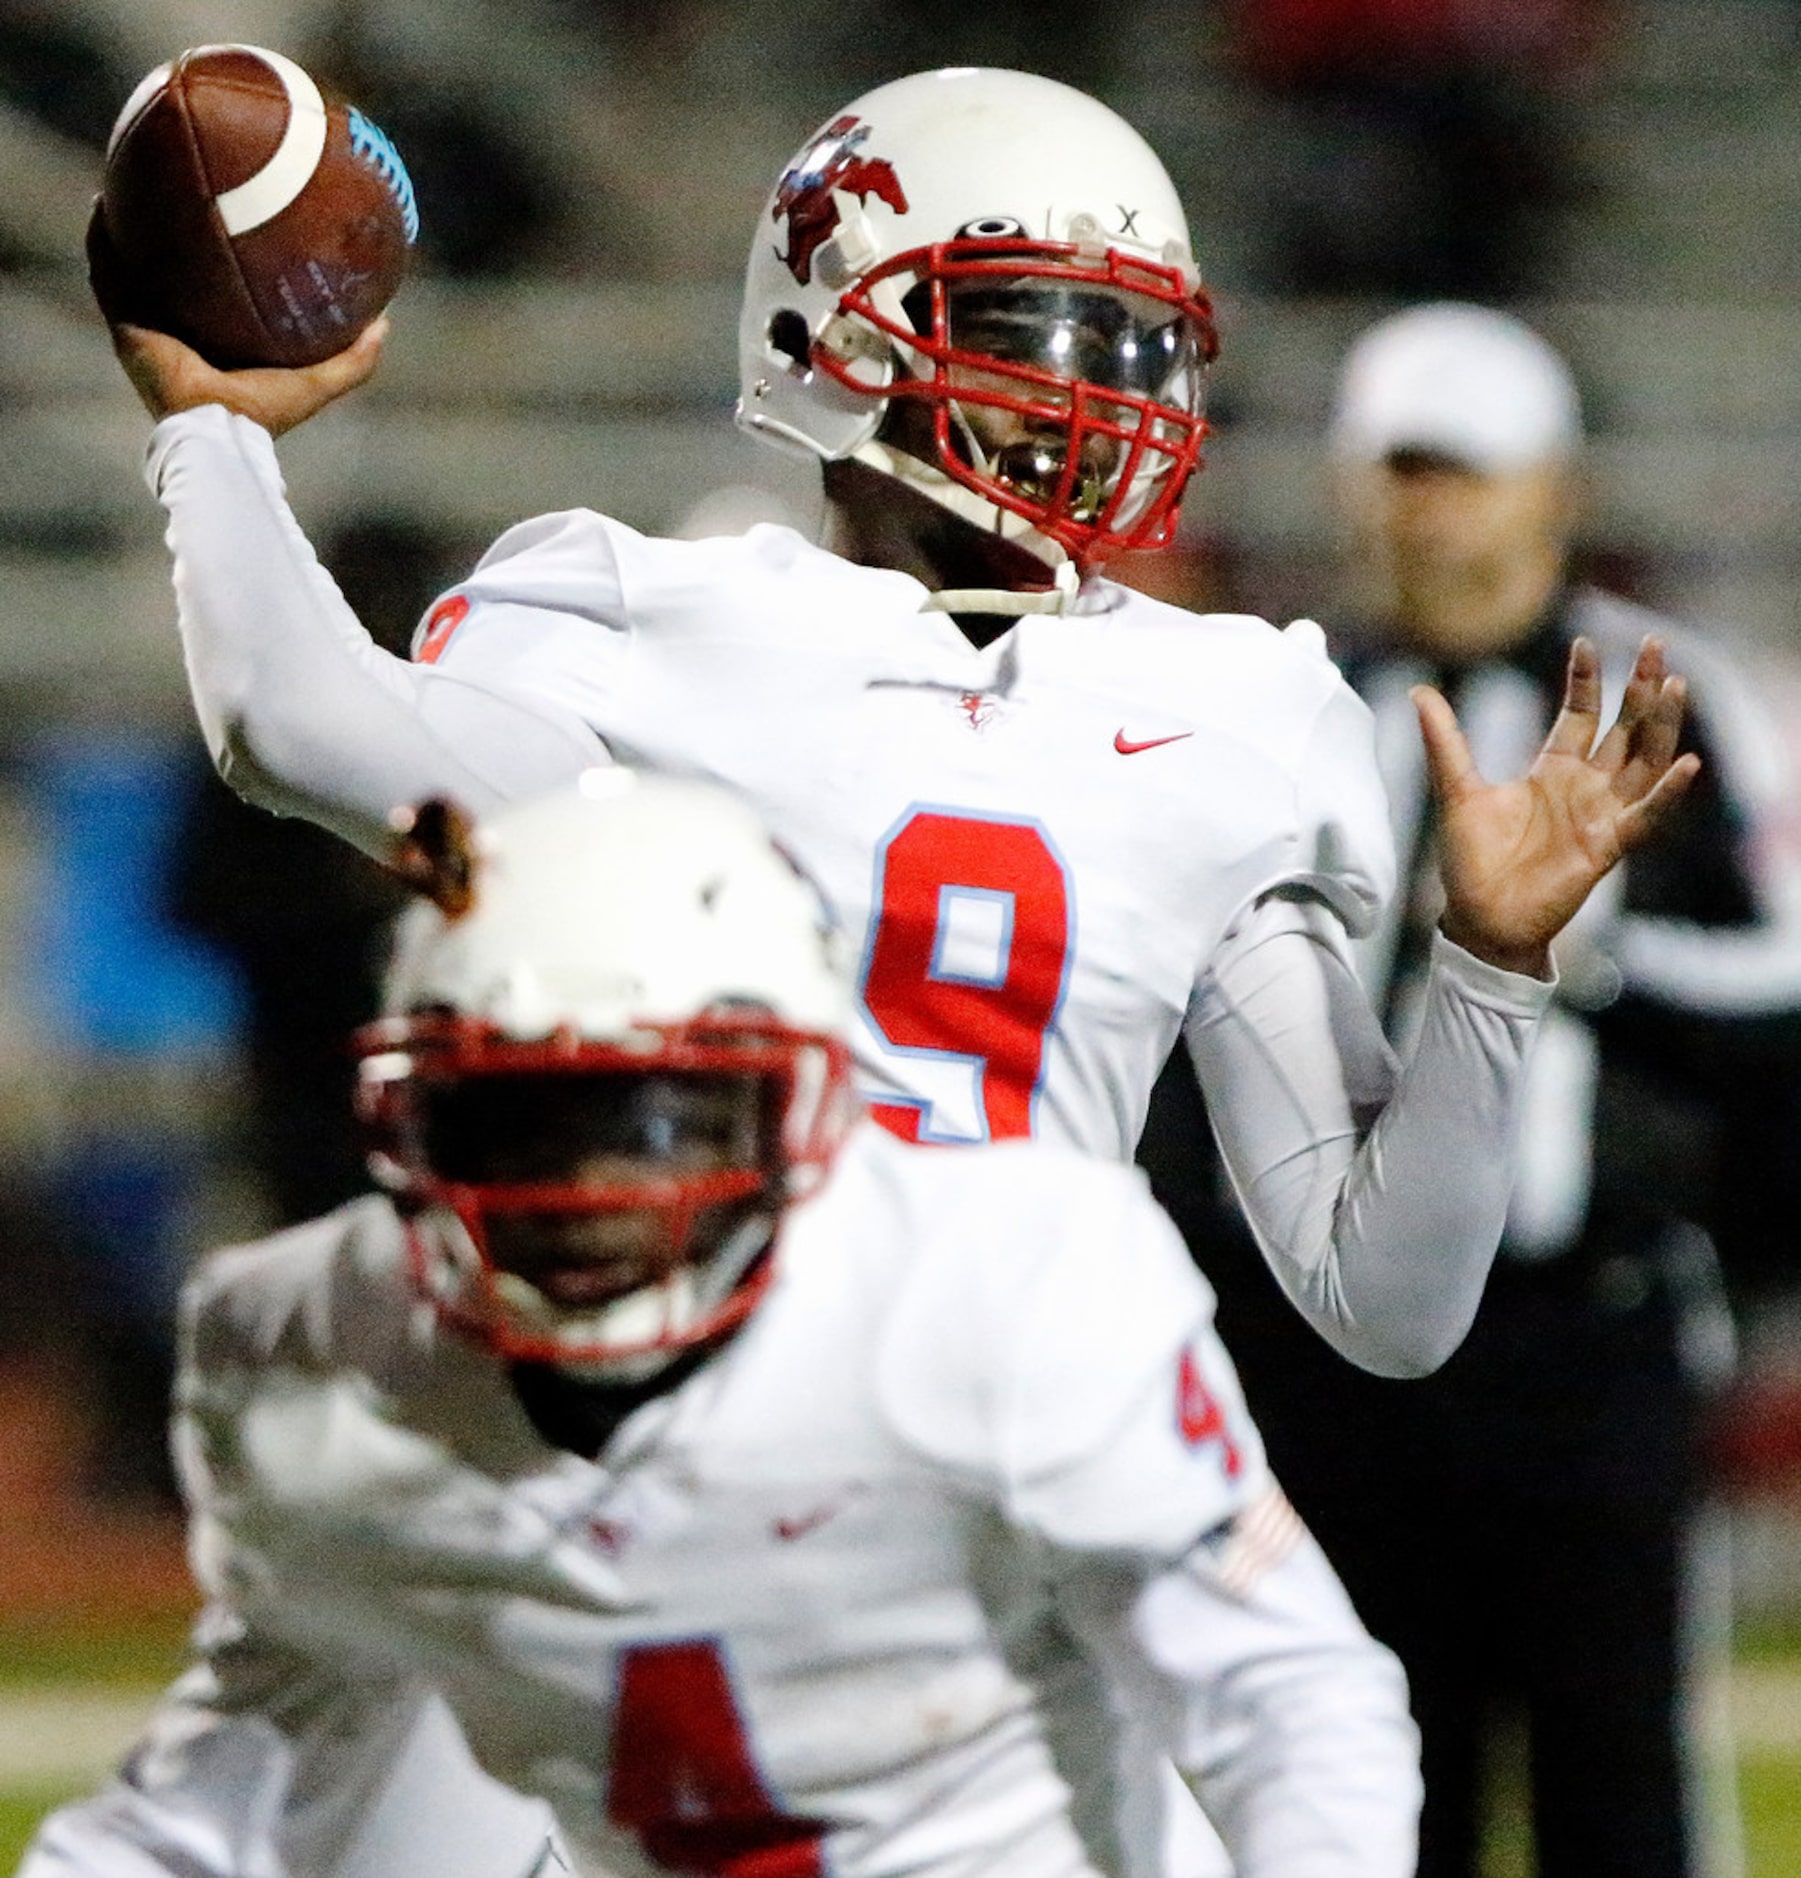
<point>1642,691</point>
<point>1448,760</point>
<point>1637,821</point>
<point>1642,742</point>
<point>1654,742</point>
<point>1573,734</point>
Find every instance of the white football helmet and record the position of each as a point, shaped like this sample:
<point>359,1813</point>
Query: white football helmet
<point>612,952</point>
<point>980,282</point>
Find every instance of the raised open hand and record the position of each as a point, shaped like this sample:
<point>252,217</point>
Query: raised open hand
<point>1519,858</point>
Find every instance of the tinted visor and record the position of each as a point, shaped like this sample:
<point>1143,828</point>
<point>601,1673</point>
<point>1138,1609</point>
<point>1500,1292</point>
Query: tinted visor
<point>1099,335</point>
<point>545,1126</point>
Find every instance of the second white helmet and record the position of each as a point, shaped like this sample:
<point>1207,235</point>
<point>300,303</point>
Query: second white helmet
<point>609,964</point>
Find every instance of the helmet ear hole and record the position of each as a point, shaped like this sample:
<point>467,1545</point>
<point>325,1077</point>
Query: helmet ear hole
<point>992,228</point>
<point>789,338</point>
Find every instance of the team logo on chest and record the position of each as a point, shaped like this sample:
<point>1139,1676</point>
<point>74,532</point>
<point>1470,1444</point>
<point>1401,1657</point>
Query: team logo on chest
<point>980,707</point>
<point>609,1537</point>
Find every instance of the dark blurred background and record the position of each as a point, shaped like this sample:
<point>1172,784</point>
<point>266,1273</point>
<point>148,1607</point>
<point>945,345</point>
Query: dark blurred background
<point>176,972</point>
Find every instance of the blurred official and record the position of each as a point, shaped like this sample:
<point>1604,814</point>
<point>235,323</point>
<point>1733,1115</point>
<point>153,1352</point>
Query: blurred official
<point>1523,1527</point>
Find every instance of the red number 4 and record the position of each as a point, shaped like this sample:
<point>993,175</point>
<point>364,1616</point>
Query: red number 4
<point>996,1015</point>
<point>683,1778</point>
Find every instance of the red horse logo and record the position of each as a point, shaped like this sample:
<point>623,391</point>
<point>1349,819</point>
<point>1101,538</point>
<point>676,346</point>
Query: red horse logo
<point>804,194</point>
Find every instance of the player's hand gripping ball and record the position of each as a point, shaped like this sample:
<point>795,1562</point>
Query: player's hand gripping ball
<point>248,214</point>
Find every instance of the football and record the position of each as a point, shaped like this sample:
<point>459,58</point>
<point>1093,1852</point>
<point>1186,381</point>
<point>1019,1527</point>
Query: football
<point>249,214</point>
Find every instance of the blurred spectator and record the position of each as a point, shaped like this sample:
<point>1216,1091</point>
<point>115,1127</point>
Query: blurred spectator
<point>1428,138</point>
<point>139,1021</point>
<point>1526,1528</point>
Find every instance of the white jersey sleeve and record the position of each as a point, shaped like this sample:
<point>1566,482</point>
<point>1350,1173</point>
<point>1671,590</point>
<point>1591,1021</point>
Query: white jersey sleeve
<point>264,1762</point>
<point>302,711</point>
<point>266,1757</point>
<point>1337,1156</point>
<point>1289,1723</point>
<point>1072,1373</point>
<point>1090,1398</point>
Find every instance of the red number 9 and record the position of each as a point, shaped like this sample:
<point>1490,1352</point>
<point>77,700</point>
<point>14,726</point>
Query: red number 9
<point>968,957</point>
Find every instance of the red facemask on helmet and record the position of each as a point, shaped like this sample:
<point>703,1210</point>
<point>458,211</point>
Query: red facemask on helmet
<point>1063,388</point>
<point>685,1146</point>
<point>614,1061</point>
<point>980,283</point>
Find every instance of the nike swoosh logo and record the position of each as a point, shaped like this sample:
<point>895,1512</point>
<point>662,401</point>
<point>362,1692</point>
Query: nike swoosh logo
<point>790,1529</point>
<point>1126,747</point>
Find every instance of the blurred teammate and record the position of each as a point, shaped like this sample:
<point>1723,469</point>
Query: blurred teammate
<point>1061,823</point>
<point>1522,1527</point>
<point>720,1470</point>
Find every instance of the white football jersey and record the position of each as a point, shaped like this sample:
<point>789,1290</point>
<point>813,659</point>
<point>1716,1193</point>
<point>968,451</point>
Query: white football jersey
<point>797,1617</point>
<point>1049,855</point>
<point>1034,848</point>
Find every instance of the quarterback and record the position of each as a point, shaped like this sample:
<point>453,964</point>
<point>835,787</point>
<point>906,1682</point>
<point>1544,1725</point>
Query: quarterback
<point>762,1496</point>
<point>1063,824</point>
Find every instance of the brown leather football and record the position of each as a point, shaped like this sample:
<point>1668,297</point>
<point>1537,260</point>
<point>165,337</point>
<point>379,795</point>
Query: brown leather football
<point>249,214</point>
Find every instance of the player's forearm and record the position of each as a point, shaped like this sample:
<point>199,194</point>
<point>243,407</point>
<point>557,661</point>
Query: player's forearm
<point>1378,1200</point>
<point>1425,1201</point>
<point>1294,1728</point>
<point>302,712</point>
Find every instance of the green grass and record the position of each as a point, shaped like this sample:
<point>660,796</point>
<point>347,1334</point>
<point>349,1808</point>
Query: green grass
<point>36,1655</point>
<point>1770,1796</point>
<point>75,1656</point>
<point>20,1810</point>
<point>1769,1808</point>
<point>1768,1641</point>
<point>36,1658</point>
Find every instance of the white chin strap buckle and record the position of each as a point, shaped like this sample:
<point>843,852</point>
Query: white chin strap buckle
<point>1059,597</point>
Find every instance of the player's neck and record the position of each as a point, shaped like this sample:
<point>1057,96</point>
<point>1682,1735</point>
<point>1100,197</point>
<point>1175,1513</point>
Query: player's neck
<point>877,522</point>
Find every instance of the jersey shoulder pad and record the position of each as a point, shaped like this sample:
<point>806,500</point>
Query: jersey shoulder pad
<point>1235,671</point>
<point>319,1295</point>
<point>1038,1278</point>
<point>1054,1348</point>
<point>564,560</point>
<point>1278,693</point>
<point>564,565</point>
<point>589,565</point>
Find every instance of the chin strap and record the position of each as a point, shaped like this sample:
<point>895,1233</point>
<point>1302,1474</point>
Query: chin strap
<point>991,519</point>
<point>1059,597</point>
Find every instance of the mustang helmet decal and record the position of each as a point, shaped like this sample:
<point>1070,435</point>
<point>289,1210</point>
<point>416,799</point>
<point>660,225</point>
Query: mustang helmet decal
<point>805,193</point>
